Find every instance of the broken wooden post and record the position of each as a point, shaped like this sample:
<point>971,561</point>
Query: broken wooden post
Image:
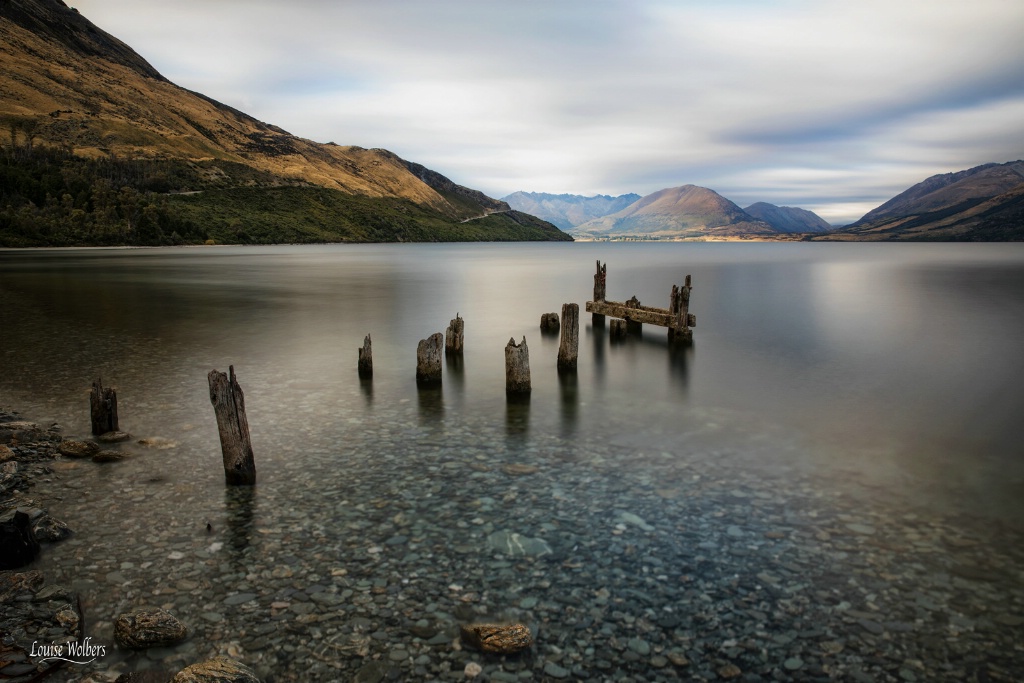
<point>600,282</point>
<point>103,408</point>
<point>366,359</point>
<point>428,360</point>
<point>453,337</point>
<point>549,323</point>
<point>617,330</point>
<point>568,346</point>
<point>229,406</point>
<point>679,308</point>
<point>517,368</point>
<point>633,326</point>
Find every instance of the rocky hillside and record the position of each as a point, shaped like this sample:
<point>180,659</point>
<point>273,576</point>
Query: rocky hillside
<point>66,84</point>
<point>981,203</point>
<point>568,210</point>
<point>788,219</point>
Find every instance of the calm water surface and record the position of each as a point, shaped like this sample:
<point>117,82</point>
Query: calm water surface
<point>892,373</point>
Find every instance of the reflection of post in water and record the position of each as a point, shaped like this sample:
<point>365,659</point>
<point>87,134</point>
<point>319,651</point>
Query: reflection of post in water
<point>240,506</point>
<point>455,372</point>
<point>431,405</point>
<point>568,389</point>
<point>597,340</point>
<point>679,356</point>
<point>366,387</point>
<point>517,415</point>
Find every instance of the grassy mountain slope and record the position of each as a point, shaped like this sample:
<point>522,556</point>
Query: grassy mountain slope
<point>788,219</point>
<point>981,203</point>
<point>66,84</point>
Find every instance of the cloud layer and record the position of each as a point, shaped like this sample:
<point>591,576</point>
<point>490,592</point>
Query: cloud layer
<point>825,104</point>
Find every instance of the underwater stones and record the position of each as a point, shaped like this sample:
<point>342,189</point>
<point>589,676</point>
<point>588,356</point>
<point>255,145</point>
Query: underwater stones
<point>148,628</point>
<point>216,670</point>
<point>516,545</point>
<point>113,437</point>
<point>501,639</point>
<point>108,456</point>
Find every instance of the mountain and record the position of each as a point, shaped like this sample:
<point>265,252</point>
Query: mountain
<point>685,212</point>
<point>788,219</point>
<point>981,203</point>
<point>68,86</point>
<point>568,210</point>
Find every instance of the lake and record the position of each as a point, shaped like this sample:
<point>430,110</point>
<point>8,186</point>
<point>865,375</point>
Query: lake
<point>847,421</point>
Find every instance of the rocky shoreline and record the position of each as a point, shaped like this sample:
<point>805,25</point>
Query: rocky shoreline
<point>674,571</point>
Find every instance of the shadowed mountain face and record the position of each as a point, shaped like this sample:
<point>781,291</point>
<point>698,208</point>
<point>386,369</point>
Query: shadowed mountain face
<point>67,84</point>
<point>679,212</point>
<point>981,203</point>
<point>788,219</point>
<point>568,210</point>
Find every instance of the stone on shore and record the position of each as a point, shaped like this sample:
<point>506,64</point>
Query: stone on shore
<point>18,543</point>
<point>50,530</point>
<point>148,628</point>
<point>500,639</point>
<point>216,670</point>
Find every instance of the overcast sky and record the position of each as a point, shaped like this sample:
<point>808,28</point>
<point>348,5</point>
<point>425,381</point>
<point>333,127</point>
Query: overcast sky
<point>830,105</point>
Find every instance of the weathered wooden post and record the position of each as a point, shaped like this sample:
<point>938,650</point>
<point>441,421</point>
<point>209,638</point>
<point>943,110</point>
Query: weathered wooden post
<point>366,359</point>
<point>679,309</point>
<point>617,330</point>
<point>229,406</point>
<point>568,346</point>
<point>517,368</point>
<point>549,323</point>
<point>428,360</point>
<point>633,326</point>
<point>600,281</point>
<point>453,337</point>
<point>103,408</point>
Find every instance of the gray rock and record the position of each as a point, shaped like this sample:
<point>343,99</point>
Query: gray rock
<point>148,628</point>
<point>555,671</point>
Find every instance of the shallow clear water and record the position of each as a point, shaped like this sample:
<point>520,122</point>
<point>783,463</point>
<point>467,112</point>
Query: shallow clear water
<point>885,374</point>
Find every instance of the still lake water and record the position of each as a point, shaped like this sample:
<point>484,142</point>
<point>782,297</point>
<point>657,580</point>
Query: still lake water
<point>886,374</point>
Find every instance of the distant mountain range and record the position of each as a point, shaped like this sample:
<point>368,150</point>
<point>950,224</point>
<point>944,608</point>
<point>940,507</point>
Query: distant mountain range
<point>78,106</point>
<point>985,203</point>
<point>568,210</point>
<point>687,212</point>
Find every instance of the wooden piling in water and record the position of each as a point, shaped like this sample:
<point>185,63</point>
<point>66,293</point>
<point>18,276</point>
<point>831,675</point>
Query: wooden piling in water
<point>366,359</point>
<point>428,360</point>
<point>453,337</point>
<point>617,329</point>
<point>103,408</point>
<point>549,323</point>
<point>568,346</point>
<point>600,284</point>
<point>517,368</point>
<point>233,427</point>
<point>679,309</point>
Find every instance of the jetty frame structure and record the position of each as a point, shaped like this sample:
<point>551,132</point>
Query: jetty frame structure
<point>677,317</point>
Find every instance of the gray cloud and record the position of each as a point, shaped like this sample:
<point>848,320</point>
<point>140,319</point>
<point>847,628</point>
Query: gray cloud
<point>830,105</point>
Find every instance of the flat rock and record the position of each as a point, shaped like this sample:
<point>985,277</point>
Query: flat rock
<point>109,456</point>
<point>502,639</point>
<point>73,448</point>
<point>518,469</point>
<point>113,437</point>
<point>148,628</point>
<point>6,453</point>
<point>216,670</point>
